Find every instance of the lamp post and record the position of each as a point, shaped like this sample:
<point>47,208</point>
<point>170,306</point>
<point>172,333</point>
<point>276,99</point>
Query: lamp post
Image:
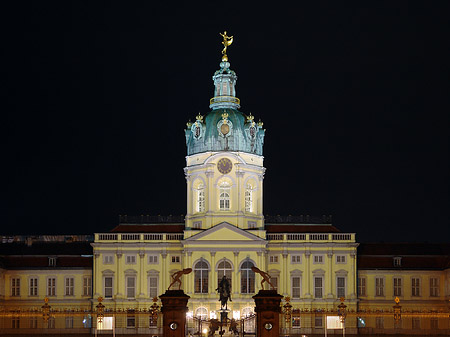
<point>154,312</point>
<point>287,312</point>
<point>397,310</point>
<point>46,310</point>
<point>342,312</point>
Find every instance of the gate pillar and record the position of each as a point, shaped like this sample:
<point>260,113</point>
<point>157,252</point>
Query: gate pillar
<point>174,308</point>
<point>267,309</point>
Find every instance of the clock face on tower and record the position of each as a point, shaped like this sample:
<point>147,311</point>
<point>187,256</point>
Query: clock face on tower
<point>224,165</point>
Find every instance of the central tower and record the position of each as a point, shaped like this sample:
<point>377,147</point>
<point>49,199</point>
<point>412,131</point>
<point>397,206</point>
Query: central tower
<point>224,163</point>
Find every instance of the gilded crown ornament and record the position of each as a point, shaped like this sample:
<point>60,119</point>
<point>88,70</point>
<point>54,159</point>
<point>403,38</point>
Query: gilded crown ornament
<point>250,118</point>
<point>199,117</point>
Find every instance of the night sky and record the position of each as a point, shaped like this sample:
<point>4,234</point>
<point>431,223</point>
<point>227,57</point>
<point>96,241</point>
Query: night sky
<point>354,99</point>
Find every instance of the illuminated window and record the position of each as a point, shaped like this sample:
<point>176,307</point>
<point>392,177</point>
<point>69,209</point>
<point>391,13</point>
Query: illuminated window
<point>68,286</point>
<point>51,286</point>
<point>397,286</point>
<point>434,287</point>
<point>224,269</point>
<point>415,286</point>
<point>318,286</point>
<point>87,285</point>
<point>201,313</point>
<point>15,286</point>
<point>200,198</point>
<point>33,286</point>
<point>340,286</point>
<point>379,286</point>
<point>361,286</point>
<point>201,271</point>
<point>296,286</point>
<point>153,286</point>
<point>108,286</point>
<point>224,197</point>
<point>130,284</point>
<point>247,278</point>
<point>249,198</point>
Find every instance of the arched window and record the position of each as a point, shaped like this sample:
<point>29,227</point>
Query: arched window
<point>201,277</point>
<point>200,202</point>
<point>247,278</point>
<point>249,198</point>
<point>224,196</point>
<point>201,313</point>
<point>224,269</point>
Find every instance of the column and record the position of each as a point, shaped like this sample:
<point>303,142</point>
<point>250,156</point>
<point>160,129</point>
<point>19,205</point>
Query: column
<point>213,277</point>
<point>119,276</point>
<point>164,276</point>
<point>96,277</point>
<point>189,277</point>
<point>260,265</point>
<point>352,277</point>
<point>285,274</point>
<point>308,275</point>
<point>236,274</point>
<point>141,285</point>
<point>329,279</point>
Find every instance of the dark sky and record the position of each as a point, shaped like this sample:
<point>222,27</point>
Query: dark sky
<point>353,97</point>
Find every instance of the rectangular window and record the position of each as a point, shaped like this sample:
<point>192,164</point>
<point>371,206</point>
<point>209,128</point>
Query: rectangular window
<point>153,286</point>
<point>51,286</point>
<point>33,323</point>
<point>318,287</point>
<point>108,289</point>
<point>296,287</point>
<point>152,259</point>
<point>434,287</point>
<point>361,286</point>
<point>434,323</point>
<point>296,259</point>
<point>108,259</point>
<point>397,286</point>
<point>130,286</point>
<point>340,286</point>
<point>69,284</point>
<point>318,321</point>
<point>15,322</point>
<point>415,286</point>
<point>416,323</point>
<point>379,286</point>
<point>341,259</point>
<point>131,321</point>
<point>274,281</point>
<point>51,323</point>
<point>130,259</point>
<point>318,259</point>
<point>175,259</point>
<point>296,322</point>
<point>197,225</point>
<point>273,259</point>
<point>397,261</point>
<point>87,286</point>
<point>69,322</point>
<point>379,322</point>
<point>33,286</point>
<point>15,286</point>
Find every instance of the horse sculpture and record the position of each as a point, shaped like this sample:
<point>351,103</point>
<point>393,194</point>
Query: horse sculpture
<point>224,292</point>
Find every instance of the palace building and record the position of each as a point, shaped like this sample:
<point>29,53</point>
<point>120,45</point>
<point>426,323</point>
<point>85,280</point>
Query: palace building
<point>224,233</point>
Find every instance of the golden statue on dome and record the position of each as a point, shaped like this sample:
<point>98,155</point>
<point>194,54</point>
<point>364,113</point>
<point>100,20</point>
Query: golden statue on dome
<point>227,40</point>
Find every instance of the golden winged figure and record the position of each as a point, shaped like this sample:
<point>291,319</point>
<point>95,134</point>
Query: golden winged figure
<point>227,40</point>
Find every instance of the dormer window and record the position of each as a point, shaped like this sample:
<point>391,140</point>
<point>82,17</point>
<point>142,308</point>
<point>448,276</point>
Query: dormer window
<point>52,261</point>
<point>397,261</point>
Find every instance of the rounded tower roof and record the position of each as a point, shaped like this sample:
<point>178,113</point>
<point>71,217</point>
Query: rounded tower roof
<point>224,128</point>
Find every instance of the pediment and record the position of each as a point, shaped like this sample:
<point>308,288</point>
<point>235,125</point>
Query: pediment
<point>225,232</point>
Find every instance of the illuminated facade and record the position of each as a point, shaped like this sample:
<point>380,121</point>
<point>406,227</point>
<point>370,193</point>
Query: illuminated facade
<point>224,233</point>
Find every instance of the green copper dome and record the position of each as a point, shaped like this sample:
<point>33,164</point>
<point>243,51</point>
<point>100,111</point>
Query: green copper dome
<point>225,128</point>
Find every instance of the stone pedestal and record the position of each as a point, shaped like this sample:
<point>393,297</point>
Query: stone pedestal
<point>174,308</point>
<point>267,309</point>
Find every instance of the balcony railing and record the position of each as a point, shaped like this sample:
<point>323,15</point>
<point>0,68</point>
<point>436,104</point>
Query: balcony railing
<point>224,99</point>
<point>138,237</point>
<point>308,237</point>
